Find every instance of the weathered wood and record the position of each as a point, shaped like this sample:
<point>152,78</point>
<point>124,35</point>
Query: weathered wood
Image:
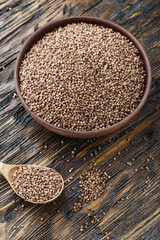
<point>22,140</point>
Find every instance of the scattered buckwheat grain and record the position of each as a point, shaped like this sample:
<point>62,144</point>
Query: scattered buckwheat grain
<point>36,184</point>
<point>82,77</point>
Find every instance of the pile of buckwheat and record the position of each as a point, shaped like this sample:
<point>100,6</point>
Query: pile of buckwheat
<point>36,184</point>
<point>82,77</point>
<point>92,185</point>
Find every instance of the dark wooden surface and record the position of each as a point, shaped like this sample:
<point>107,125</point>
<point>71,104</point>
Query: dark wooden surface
<point>132,211</point>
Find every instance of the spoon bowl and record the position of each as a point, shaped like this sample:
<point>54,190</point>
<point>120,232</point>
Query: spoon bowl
<point>7,170</point>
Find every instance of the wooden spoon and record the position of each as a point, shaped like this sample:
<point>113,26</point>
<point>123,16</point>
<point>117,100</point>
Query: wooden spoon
<point>7,170</point>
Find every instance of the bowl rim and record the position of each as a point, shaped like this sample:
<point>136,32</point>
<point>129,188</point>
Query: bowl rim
<point>92,20</point>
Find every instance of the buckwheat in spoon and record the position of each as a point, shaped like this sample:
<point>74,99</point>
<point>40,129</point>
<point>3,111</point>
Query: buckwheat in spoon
<point>35,184</point>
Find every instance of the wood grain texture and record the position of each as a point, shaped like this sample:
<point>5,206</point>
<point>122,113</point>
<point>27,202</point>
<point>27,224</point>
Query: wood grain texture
<point>22,140</point>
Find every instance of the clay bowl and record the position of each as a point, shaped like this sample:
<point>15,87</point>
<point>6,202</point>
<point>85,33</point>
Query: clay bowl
<point>50,27</point>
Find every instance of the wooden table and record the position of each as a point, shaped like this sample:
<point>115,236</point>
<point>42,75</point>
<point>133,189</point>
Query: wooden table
<point>131,205</point>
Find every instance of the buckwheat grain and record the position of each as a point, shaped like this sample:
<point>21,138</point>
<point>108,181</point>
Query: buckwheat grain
<point>82,77</point>
<point>36,184</point>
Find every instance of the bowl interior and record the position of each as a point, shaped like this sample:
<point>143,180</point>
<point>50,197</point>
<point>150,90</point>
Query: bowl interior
<point>63,22</point>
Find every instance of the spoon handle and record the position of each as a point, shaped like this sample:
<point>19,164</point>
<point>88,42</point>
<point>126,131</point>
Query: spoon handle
<point>1,167</point>
<point>4,169</point>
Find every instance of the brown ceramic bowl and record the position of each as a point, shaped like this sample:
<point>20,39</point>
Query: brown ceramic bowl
<point>50,27</point>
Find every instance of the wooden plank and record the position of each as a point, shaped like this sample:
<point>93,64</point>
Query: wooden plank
<point>131,211</point>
